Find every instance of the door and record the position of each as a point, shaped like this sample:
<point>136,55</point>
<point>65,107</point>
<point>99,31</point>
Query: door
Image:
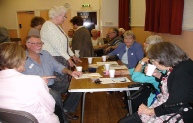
<point>24,21</point>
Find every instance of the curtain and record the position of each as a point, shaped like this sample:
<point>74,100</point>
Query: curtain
<point>164,16</point>
<point>124,14</point>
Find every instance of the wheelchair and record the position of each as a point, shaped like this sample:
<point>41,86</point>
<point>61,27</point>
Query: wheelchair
<point>185,108</point>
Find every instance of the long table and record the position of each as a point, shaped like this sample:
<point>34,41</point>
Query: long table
<point>86,85</point>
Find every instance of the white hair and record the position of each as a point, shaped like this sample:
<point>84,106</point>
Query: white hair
<point>129,33</point>
<point>57,11</point>
<point>121,30</point>
<point>94,30</point>
<point>154,39</point>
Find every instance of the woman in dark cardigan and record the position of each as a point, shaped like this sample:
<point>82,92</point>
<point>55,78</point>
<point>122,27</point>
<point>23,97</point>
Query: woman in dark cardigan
<point>176,86</point>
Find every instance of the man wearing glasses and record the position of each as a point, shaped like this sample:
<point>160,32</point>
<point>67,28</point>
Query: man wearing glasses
<point>115,40</point>
<point>40,62</point>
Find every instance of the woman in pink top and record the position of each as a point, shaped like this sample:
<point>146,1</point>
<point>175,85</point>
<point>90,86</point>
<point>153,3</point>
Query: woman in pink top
<point>23,92</point>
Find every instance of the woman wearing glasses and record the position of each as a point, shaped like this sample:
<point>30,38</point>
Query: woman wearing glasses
<point>55,39</point>
<point>176,86</point>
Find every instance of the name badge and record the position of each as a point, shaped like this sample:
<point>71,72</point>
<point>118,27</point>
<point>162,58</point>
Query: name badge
<point>31,66</point>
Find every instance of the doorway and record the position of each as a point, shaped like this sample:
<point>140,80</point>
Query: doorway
<point>24,21</point>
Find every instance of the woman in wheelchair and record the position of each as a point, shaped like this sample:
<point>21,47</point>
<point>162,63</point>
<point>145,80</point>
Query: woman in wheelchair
<point>176,86</point>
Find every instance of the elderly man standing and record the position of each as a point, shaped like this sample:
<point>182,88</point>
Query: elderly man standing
<point>40,62</point>
<point>115,40</point>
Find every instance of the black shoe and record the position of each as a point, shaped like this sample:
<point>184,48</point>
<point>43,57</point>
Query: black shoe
<point>72,117</point>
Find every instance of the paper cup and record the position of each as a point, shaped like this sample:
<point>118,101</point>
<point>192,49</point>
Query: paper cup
<point>150,69</point>
<point>111,73</point>
<point>90,60</point>
<point>104,58</point>
<point>79,68</point>
<point>107,66</point>
<point>77,53</point>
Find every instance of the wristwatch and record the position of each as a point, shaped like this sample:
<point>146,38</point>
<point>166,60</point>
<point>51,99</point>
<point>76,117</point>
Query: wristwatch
<point>141,62</point>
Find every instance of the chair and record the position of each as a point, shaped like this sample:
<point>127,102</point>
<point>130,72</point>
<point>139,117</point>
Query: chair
<point>15,116</point>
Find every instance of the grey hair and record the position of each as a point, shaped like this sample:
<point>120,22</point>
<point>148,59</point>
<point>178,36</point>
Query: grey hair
<point>57,11</point>
<point>154,39</point>
<point>121,30</point>
<point>94,30</point>
<point>129,33</point>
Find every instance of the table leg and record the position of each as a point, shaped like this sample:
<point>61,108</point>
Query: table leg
<point>129,103</point>
<point>82,110</point>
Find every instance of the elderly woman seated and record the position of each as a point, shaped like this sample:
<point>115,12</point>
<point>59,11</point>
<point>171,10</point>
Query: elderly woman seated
<point>138,75</point>
<point>23,92</point>
<point>97,42</point>
<point>130,52</point>
<point>176,86</point>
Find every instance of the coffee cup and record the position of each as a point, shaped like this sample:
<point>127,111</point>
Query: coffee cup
<point>79,68</point>
<point>150,69</point>
<point>107,66</point>
<point>104,58</point>
<point>90,60</point>
<point>111,73</point>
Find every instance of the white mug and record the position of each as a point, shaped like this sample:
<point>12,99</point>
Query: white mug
<point>111,73</point>
<point>107,66</point>
<point>79,68</point>
<point>104,58</point>
<point>90,60</point>
<point>150,69</point>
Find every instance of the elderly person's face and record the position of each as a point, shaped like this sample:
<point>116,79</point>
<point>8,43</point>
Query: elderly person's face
<point>34,45</point>
<point>111,33</point>
<point>158,66</point>
<point>94,33</point>
<point>60,19</point>
<point>128,40</point>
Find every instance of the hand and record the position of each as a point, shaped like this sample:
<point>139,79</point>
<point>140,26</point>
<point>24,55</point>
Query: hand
<point>157,73</point>
<point>71,63</point>
<point>143,109</point>
<point>46,78</point>
<point>108,48</point>
<point>145,59</point>
<point>76,73</point>
<point>76,59</point>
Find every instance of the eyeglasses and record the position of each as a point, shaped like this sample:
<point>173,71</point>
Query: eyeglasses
<point>36,44</point>
<point>152,60</point>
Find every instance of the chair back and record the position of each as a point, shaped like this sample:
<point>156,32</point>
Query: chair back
<point>15,116</point>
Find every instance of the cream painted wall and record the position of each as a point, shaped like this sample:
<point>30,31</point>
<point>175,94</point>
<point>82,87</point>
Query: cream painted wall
<point>9,8</point>
<point>185,40</point>
<point>137,13</point>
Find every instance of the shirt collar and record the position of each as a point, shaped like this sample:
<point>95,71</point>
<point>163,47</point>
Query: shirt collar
<point>27,54</point>
<point>79,27</point>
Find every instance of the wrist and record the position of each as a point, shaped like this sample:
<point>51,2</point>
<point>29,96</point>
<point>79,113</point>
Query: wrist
<point>142,62</point>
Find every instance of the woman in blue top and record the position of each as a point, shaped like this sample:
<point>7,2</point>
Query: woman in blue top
<point>129,52</point>
<point>138,75</point>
